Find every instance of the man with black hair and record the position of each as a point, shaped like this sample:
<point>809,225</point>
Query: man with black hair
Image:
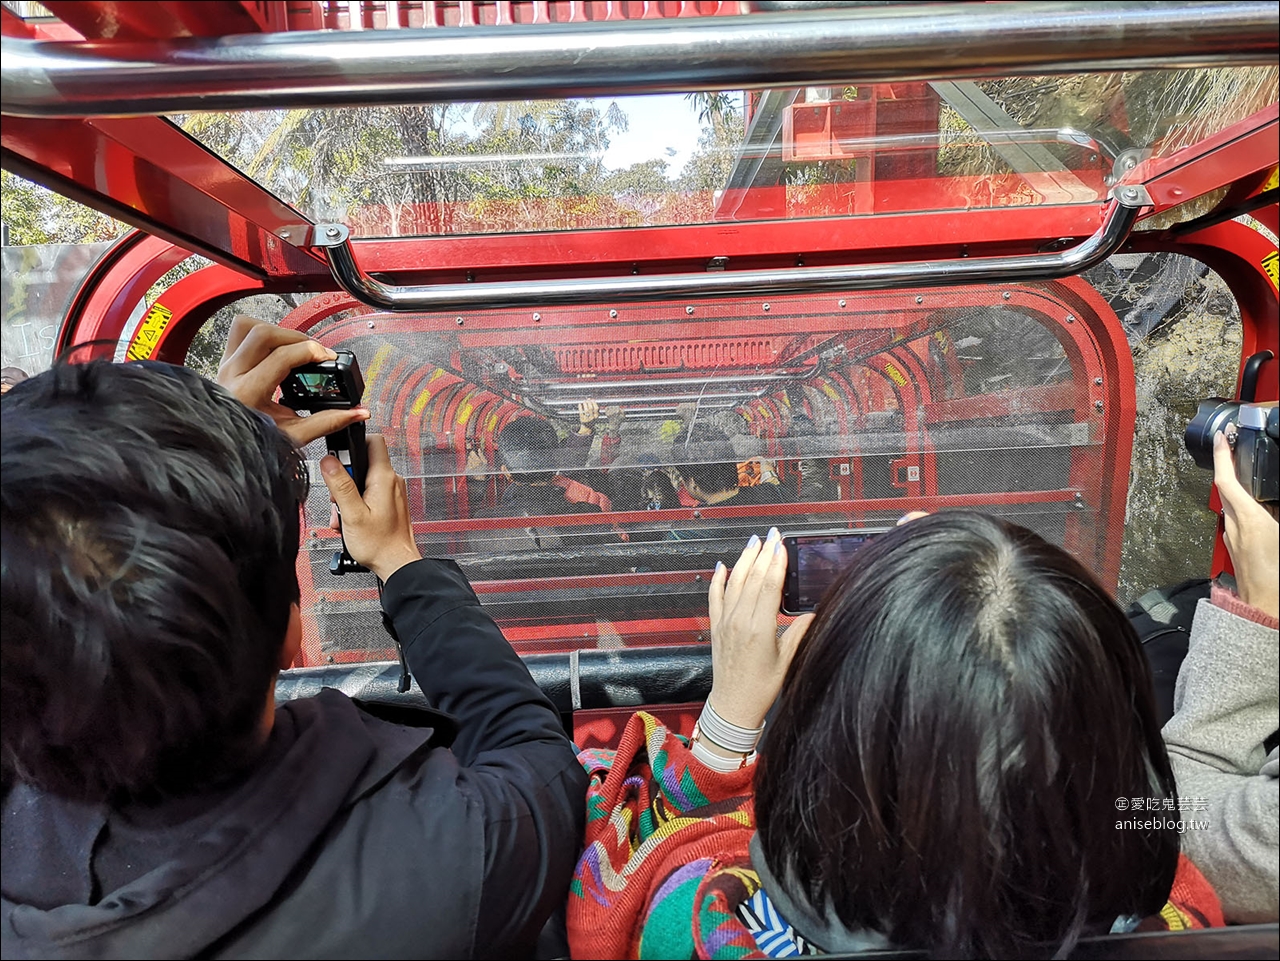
<point>529,457</point>
<point>713,480</point>
<point>157,803</point>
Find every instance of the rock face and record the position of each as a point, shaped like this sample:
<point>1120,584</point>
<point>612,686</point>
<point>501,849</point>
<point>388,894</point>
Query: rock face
<point>1193,354</point>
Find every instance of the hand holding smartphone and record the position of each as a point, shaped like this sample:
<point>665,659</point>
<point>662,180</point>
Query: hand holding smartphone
<point>814,561</point>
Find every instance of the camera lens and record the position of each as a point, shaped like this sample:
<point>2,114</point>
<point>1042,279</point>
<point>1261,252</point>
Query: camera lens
<point>1212,416</point>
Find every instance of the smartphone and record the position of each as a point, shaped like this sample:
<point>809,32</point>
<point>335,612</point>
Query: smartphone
<point>334,385</point>
<point>814,561</point>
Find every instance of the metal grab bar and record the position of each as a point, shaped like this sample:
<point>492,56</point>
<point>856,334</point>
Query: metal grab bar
<point>335,241</point>
<point>822,47</point>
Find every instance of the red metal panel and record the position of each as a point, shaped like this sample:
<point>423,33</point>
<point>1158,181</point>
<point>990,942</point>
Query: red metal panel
<point>148,173</point>
<point>1245,149</point>
<point>192,301</point>
<point>112,290</point>
<point>171,18</point>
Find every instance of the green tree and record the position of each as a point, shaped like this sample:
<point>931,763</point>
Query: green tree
<point>37,215</point>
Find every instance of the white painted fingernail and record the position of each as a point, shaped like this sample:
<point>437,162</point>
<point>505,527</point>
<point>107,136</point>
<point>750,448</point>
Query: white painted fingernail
<point>754,542</point>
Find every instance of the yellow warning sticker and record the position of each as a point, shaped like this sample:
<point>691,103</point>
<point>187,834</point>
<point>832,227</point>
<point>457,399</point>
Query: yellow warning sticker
<point>1271,265</point>
<point>149,332</point>
<point>895,375</point>
<point>1273,180</point>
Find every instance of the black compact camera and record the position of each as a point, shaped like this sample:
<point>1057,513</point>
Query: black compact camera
<point>1253,430</point>
<point>334,385</point>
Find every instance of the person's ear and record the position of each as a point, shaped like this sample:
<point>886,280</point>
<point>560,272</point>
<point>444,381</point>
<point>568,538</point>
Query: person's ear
<point>292,638</point>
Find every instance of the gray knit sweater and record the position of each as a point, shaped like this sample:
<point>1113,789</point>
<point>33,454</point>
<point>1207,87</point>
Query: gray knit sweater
<point>1225,705</point>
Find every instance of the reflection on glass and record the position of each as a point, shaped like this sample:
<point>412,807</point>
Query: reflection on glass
<point>699,158</point>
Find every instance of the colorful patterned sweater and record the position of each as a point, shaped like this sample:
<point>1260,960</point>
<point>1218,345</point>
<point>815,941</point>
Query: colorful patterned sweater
<point>666,866</point>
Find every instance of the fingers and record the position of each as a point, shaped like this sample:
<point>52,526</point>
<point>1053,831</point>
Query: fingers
<point>262,341</point>
<point>342,488</point>
<point>746,560</point>
<point>304,430</point>
<point>762,590</point>
<point>240,327</point>
<point>381,474</point>
<point>1234,496</point>
<point>715,594</point>
<point>268,372</point>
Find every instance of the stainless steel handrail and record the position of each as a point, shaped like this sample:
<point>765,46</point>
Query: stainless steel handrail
<point>1119,218</point>
<point>823,47</point>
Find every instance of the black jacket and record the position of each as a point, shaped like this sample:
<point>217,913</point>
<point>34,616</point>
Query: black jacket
<point>351,837</point>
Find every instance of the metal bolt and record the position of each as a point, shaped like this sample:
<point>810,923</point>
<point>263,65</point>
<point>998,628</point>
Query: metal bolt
<point>1071,318</point>
<point>329,658</point>
<point>842,304</point>
<point>766,306</point>
<point>284,235</point>
<point>537,318</point>
<point>1097,381</point>
<point>919,299</point>
<point>698,578</point>
<point>1006,295</point>
<point>613,314</point>
<point>332,231</point>
<point>689,309</point>
<point>458,321</point>
<point>1129,193</point>
<point>1097,404</point>
<point>371,325</point>
<point>697,515</point>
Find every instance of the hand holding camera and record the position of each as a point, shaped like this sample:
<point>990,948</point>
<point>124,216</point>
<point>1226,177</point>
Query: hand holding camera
<point>1251,533</point>
<point>258,358</point>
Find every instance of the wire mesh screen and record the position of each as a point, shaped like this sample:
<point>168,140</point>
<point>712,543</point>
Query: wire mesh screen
<point>588,466</point>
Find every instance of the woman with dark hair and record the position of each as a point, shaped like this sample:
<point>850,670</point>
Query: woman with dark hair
<point>953,764</point>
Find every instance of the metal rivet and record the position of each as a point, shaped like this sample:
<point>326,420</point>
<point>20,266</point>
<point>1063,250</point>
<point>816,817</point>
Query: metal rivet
<point>697,515</point>
<point>1006,295</point>
<point>842,303</point>
<point>332,231</point>
<point>766,306</point>
<point>1097,381</point>
<point>1098,404</point>
<point>613,314</point>
<point>698,578</point>
<point>371,325</point>
<point>537,318</point>
<point>919,299</point>
<point>458,321</point>
<point>1071,318</point>
<point>689,309</point>
<point>284,234</point>
<point>329,659</point>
